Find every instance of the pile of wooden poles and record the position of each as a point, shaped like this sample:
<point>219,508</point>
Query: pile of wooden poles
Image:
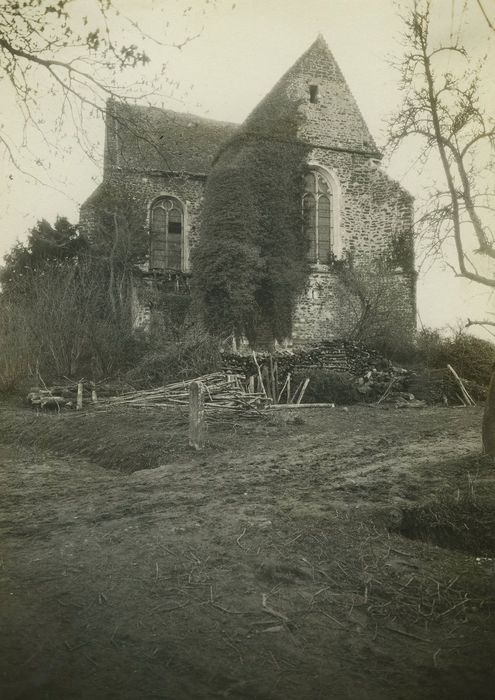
<point>221,392</point>
<point>267,382</point>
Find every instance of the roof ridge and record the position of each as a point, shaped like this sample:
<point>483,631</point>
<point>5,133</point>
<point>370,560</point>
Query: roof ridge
<point>166,111</point>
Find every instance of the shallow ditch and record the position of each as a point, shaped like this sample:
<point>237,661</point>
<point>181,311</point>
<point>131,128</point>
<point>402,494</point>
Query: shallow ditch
<point>463,527</point>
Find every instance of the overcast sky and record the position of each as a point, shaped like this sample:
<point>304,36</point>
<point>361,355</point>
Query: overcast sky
<point>243,48</point>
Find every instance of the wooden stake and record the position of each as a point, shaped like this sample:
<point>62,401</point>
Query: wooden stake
<point>79,402</point>
<point>265,378</point>
<point>296,391</point>
<point>196,416</point>
<point>467,396</point>
<point>94,398</point>
<point>261,385</point>
<point>305,386</point>
<point>272,379</point>
<point>282,389</point>
<point>275,380</point>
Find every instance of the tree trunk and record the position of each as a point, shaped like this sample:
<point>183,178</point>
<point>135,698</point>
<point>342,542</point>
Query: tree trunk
<point>488,429</point>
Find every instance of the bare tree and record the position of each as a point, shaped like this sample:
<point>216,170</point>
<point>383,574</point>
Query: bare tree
<point>60,60</point>
<point>369,294</point>
<point>442,108</point>
<point>485,15</point>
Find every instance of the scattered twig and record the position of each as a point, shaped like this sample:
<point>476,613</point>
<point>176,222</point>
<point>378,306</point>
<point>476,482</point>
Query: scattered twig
<point>393,381</point>
<point>238,540</point>
<point>457,605</point>
<point>271,611</point>
<point>435,658</point>
<point>231,612</point>
<point>408,634</point>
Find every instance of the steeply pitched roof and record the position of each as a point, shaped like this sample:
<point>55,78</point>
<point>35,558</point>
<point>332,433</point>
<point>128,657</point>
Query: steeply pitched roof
<point>149,138</point>
<point>333,121</point>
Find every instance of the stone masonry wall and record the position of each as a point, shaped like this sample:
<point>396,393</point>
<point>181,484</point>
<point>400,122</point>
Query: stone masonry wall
<point>332,120</point>
<point>328,310</point>
<point>144,189</point>
<point>374,212</point>
<point>374,209</point>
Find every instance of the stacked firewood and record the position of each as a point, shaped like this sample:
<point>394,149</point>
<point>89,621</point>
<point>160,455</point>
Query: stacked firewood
<point>337,355</point>
<point>376,378</point>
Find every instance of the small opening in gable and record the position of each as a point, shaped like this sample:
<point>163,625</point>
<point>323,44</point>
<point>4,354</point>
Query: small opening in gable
<point>313,93</point>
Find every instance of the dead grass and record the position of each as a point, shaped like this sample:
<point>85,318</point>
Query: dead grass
<point>267,566</point>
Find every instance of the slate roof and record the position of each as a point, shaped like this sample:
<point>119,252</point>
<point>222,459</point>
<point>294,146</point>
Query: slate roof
<point>150,138</point>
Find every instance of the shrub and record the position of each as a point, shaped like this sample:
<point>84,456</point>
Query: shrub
<point>184,354</point>
<point>471,357</point>
<point>327,386</point>
<point>15,348</point>
<point>60,324</point>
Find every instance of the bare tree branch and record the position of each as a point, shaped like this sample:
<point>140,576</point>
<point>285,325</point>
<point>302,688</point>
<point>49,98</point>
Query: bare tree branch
<point>444,109</point>
<point>492,27</point>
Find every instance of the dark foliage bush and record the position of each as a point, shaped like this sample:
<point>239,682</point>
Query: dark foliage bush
<point>327,386</point>
<point>471,357</point>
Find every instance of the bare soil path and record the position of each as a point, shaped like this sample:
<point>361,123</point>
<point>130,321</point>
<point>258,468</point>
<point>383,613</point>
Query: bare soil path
<point>271,566</point>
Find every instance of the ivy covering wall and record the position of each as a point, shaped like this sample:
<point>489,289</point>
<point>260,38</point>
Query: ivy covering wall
<point>251,262</point>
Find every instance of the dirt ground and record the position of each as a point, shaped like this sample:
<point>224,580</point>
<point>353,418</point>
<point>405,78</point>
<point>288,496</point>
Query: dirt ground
<point>329,555</point>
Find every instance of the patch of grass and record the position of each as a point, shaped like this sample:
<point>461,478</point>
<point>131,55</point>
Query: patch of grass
<point>125,440</point>
<point>459,519</point>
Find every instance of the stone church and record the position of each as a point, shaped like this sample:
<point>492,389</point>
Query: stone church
<point>161,160</point>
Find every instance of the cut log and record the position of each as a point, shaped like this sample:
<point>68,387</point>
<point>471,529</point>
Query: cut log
<point>53,402</point>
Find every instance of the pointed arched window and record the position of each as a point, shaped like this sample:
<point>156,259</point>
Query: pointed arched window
<point>167,225</point>
<point>320,216</point>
